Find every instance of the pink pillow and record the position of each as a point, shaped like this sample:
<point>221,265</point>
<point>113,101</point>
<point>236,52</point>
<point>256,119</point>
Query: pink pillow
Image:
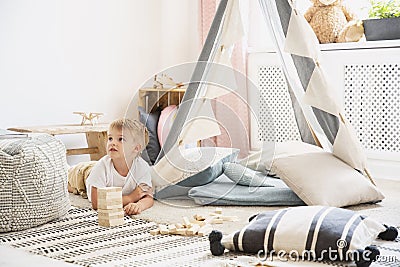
<point>167,117</point>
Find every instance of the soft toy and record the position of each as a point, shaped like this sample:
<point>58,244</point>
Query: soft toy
<point>307,233</point>
<point>332,22</point>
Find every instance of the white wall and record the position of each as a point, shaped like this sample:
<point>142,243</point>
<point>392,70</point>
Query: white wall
<point>61,56</point>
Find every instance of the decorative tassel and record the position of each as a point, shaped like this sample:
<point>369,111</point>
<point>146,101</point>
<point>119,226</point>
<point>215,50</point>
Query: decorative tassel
<point>364,258</point>
<point>389,234</point>
<point>216,247</point>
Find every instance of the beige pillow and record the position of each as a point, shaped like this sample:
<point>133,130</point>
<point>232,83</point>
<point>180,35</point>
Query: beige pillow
<point>322,179</point>
<point>261,160</point>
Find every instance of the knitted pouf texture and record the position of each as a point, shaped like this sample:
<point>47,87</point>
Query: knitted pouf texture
<point>33,182</point>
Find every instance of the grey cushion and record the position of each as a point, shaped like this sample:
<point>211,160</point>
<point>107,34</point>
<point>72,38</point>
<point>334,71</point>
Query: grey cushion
<point>245,176</point>
<point>153,148</point>
<point>298,230</point>
<point>223,191</point>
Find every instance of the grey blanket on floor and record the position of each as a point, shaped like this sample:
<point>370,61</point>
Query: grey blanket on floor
<point>223,191</point>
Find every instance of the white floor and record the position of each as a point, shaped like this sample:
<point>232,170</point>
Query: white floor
<point>11,257</point>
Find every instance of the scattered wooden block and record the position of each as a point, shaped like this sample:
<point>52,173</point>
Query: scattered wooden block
<point>180,231</point>
<point>218,210</point>
<point>200,223</point>
<point>205,230</point>
<point>154,231</point>
<point>229,218</point>
<point>193,230</point>
<point>224,217</point>
<point>217,221</point>
<point>163,229</point>
<point>198,217</point>
<point>171,228</point>
<point>186,222</point>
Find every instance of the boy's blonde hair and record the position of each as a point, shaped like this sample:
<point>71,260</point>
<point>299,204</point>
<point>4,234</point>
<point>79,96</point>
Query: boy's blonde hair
<point>134,127</point>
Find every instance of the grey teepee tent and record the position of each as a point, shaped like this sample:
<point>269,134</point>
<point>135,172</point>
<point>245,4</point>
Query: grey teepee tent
<point>319,113</point>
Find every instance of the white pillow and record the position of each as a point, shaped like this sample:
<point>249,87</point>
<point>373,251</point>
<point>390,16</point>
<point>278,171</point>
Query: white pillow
<point>322,179</point>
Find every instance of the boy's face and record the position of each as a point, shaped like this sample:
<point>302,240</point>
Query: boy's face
<point>121,144</point>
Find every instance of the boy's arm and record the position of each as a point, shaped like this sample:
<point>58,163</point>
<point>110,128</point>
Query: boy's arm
<point>94,197</point>
<point>140,192</point>
<point>136,208</point>
<point>146,202</point>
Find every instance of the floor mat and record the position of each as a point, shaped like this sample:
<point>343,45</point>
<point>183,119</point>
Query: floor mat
<point>78,239</point>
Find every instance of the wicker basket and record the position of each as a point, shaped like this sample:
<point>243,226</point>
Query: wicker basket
<point>33,182</point>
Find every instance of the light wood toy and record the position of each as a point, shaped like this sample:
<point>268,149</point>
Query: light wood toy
<point>109,206</point>
<point>200,225</point>
<point>92,117</point>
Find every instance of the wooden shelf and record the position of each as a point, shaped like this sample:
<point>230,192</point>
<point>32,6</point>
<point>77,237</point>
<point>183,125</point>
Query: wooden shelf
<point>152,98</point>
<point>96,136</point>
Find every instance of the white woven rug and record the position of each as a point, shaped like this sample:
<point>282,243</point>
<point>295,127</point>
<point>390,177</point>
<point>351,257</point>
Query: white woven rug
<point>78,239</point>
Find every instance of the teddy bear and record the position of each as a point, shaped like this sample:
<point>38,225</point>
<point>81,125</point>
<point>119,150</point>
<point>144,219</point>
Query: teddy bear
<point>332,22</point>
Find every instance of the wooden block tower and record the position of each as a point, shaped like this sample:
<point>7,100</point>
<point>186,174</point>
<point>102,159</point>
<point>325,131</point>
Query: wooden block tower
<point>109,206</point>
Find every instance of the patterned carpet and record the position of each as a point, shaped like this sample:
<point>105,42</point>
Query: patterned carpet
<point>78,239</point>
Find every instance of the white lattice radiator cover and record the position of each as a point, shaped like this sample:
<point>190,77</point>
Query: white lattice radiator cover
<point>371,100</point>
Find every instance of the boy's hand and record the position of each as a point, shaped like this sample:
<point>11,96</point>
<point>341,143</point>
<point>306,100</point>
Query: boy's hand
<point>133,208</point>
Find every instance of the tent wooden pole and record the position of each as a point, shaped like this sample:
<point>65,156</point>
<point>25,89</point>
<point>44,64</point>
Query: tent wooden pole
<point>369,176</point>
<point>206,57</point>
<point>317,142</point>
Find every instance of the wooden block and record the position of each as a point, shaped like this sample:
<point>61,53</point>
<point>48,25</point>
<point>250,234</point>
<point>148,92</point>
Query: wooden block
<point>110,212</point>
<point>109,189</point>
<point>193,230</point>
<point>112,216</point>
<point>171,228</point>
<point>224,217</point>
<point>112,222</point>
<point>186,222</point>
<point>179,226</point>
<point>217,221</point>
<point>108,202</point>
<point>181,231</point>
<point>113,201</point>
<point>109,195</point>
<point>163,229</point>
<point>198,217</point>
<point>218,210</point>
<point>229,218</point>
<point>109,206</point>
<point>200,223</point>
<point>205,230</point>
<point>154,232</point>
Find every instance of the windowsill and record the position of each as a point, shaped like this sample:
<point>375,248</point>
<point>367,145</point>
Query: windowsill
<point>361,45</point>
<point>340,46</point>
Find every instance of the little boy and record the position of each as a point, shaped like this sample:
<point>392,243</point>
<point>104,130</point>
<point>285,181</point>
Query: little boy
<point>123,167</point>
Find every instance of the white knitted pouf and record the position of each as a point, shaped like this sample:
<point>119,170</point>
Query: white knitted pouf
<point>33,181</point>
